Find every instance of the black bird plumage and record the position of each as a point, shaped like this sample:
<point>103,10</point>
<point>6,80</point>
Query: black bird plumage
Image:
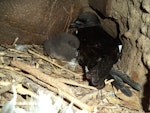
<point>98,51</point>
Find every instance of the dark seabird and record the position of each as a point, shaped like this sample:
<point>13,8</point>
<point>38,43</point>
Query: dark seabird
<point>98,51</point>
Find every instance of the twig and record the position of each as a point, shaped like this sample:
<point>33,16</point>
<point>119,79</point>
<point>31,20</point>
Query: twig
<point>41,76</point>
<point>54,82</point>
<point>9,68</point>
<point>45,58</point>
<point>24,91</point>
<point>15,41</point>
<point>71,82</point>
<point>5,89</point>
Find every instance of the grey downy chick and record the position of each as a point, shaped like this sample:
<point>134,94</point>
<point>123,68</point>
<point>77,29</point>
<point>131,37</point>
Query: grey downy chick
<point>62,46</point>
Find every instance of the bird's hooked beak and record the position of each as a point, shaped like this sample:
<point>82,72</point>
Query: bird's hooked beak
<point>79,24</point>
<point>76,24</point>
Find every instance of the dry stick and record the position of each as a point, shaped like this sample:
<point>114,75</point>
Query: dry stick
<point>51,81</point>
<point>71,82</point>
<point>89,96</point>
<point>7,86</point>
<point>8,68</point>
<point>45,58</point>
<point>15,41</point>
<point>66,81</point>
<point>30,83</point>
<point>41,76</point>
<point>5,89</point>
<point>65,95</point>
<point>23,91</point>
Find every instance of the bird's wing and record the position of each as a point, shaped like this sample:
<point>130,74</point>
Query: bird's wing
<point>126,79</point>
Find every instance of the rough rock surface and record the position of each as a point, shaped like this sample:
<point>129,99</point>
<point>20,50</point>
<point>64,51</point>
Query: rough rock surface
<point>132,19</point>
<point>103,6</point>
<point>33,20</point>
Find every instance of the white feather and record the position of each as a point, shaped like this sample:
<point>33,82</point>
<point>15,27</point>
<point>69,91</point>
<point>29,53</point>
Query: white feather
<point>43,104</point>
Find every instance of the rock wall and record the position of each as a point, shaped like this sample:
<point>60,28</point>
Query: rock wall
<point>133,18</point>
<point>33,20</point>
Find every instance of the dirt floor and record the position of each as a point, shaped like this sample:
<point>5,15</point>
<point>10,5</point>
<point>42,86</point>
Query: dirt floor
<point>26,67</point>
